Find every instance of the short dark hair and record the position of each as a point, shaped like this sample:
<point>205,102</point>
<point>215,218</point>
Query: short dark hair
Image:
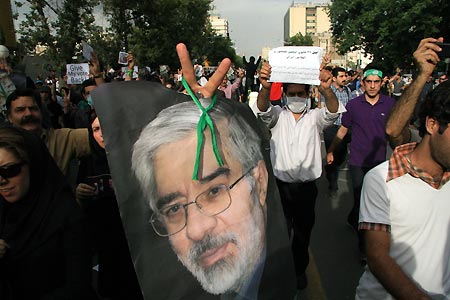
<point>22,93</point>
<point>86,83</point>
<point>436,106</point>
<point>336,70</point>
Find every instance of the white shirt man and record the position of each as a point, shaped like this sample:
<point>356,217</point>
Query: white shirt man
<point>296,155</point>
<point>405,214</point>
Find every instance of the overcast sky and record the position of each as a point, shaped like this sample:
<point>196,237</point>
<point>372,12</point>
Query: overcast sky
<point>254,24</point>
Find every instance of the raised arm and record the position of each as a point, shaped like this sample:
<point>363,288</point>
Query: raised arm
<point>425,58</point>
<point>327,92</point>
<point>237,83</point>
<point>244,60</point>
<point>258,61</point>
<point>94,69</point>
<point>188,73</point>
<point>130,67</point>
<point>263,100</point>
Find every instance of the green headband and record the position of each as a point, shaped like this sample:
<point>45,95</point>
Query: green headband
<point>373,72</point>
<point>205,120</point>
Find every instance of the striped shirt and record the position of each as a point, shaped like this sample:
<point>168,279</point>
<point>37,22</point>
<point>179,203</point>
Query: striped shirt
<point>343,96</point>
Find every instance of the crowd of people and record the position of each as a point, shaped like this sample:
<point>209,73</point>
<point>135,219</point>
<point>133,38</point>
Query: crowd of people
<point>59,215</point>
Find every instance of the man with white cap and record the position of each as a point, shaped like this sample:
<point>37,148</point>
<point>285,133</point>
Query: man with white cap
<point>366,115</point>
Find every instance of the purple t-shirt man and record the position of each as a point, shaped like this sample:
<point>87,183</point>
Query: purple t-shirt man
<point>368,144</point>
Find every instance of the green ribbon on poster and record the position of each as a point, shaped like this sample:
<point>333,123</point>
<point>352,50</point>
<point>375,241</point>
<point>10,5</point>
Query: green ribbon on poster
<point>205,120</point>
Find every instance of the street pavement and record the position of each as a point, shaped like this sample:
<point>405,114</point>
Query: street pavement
<point>334,269</point>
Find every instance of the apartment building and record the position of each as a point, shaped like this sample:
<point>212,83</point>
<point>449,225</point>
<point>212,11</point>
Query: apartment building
<point>220,25</point>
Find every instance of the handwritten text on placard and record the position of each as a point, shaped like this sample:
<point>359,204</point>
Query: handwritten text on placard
<point>296,64</point>
<point>77,73</point>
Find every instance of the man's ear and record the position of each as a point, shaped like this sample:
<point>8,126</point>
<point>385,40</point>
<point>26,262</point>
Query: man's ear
<point>431,125</point>
<point>262,178</point>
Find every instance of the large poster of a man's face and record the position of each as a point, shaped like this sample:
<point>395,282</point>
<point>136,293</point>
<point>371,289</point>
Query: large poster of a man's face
<point>215,225</point>
<point>199,206</point>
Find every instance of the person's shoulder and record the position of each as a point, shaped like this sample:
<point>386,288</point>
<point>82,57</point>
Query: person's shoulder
<point>354,102</point>
<point>387,98</point>
<point>380,168</point>
<point>277,111</point>
<point>68,131</point>
<point>378,173</point>
<point>316,111</point>
<point>60,130</point>
<point>361,97</point>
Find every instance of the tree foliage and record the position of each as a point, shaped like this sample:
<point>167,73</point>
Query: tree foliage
<point>75,23</point>
<point>35,29</point>
<point>390,30</point>
<point>59,30</point>
<point>151,29</point>
<point>159,25</point>
<point>300,40</point>
<point>215,47</point>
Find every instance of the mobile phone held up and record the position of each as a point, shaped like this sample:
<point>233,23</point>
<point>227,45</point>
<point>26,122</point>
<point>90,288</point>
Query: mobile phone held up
<point>445,53</point>
<point>123,58</point>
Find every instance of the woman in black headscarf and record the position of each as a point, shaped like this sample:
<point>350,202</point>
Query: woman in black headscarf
<point>44,253</point>
<point>116,276</point>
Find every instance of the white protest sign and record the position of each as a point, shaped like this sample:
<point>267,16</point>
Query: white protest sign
<point>296,64</point>
<point>77,73</point>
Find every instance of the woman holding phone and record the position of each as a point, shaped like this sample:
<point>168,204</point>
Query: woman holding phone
<point>116,276</point>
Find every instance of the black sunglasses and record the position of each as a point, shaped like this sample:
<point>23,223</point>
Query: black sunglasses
<point>11,170</point>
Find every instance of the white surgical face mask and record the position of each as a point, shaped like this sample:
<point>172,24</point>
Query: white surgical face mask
<point>297,104</point>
